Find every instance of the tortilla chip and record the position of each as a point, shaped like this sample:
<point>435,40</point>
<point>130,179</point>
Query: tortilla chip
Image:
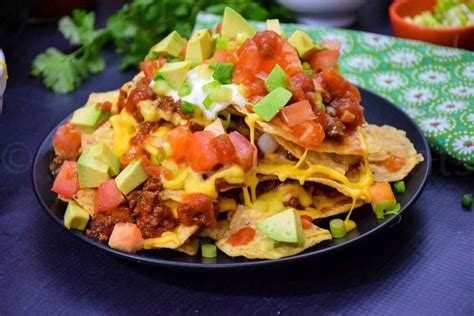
<point>191,247</point>
<point>385,141</point>
<point>171,239</point>
<point>330,206</point>
<point>173,195</point>
<point>215,233</point>
<point>245,217</point>
<point>103,135</point>
<point>85,199</point>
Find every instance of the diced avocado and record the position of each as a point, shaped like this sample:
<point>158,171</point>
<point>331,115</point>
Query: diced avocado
<point>175,73</point>
<point>103,153</point>
<point>274,25</point>
<point>221,94</point>
<point>91,171</point>
<point>303,43</point>
<point>204,71</point>
<point>284,226</point>
<point>185,89</point>
<point>233,23</point>
<point>75,217</point>
<point>222,72</point>
<point>207,102</point>
<point>222,42</point>
<point>131,177</point>
<point>277,79</point>
<point>269,106</point>
<point>210,86</point>
<point>87,118</point>
<point>171,45</point>
<point>199,47</point>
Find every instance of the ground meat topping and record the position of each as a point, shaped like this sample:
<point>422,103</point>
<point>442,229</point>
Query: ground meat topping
<point>198,209</point>
<point>102,223</point>
<point>152,216</point>
<point>335,128</point>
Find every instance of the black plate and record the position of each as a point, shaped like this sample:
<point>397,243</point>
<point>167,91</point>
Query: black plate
<point>377,110</point>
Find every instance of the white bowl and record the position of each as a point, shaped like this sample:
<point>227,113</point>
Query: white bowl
<point>3,80</point>
<point>330,13</point>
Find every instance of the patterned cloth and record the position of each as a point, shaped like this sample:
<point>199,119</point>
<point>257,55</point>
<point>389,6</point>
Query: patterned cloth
<point>433,84</point>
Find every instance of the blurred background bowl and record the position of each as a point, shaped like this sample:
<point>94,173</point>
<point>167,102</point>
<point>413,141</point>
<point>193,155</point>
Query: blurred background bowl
<point>459,37</point>
<point>331,13</point>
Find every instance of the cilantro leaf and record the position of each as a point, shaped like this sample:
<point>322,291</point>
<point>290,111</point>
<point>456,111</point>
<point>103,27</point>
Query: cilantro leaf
<point>60,72</point>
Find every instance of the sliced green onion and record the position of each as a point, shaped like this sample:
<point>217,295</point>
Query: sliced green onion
<point>157,75</point>
<point>308,72</point>
<point>267,245</point>
<point>210,86</point>
<point>222,42</point>
<point>207,102</point>
<point>171,166</point>
<point>337,228</point>
<point>399,186</point>
<point>466,201</point>
<point>383,206</point>
<point>318,100</point>
<point>159,157</point>
<point>222,72</point>
<point>394,210</point>
<point>160,87</point>
<point>167,149</point>
<point>187,107</point>
<point>208,251</point>
<point>185,89</point>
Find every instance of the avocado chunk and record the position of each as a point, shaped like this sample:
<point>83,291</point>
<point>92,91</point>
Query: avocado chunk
<point>274,25</point>
<point>91,172</point>
<point>103,153</point>
<point>233,23</point>
<point>199,47</point>
<point>131,177</point>
<point>277,79</point>
<point>175,73</point>
<point>75,217</point>
<point>171,45</point>
<point>284,226</point>
<point>271,104</point>
<point>87,118</point>
<point>303,43</point>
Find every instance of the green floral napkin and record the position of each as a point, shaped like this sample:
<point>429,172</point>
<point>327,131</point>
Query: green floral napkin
<point>433,84</point>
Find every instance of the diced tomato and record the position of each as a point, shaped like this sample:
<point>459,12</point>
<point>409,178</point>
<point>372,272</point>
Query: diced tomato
<point>260,54</point>
<point>66,183</point>
<point>306,221</point>
<point>324,60</point>
<point>338,87</point>
<point>179,139</point>
<point>242,237</point>
<point>150,66</point>
<point>141,92</point>
<point>126,237</point>
<point>296,113</point>
<point>394,163</point>
<point>219,28</point>
<point>244,149</point>
<point>380,191</point>
<point>308,134</point>
<point>225,150</point>
<point>201,155</point>
<point>222,56</point>
<point>67,141</point>
<point>107,197</point>
<point>331,44</point>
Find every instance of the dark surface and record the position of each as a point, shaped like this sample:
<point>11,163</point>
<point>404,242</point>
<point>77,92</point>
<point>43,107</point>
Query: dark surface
<point>379,111</point>
<point>423,265</point>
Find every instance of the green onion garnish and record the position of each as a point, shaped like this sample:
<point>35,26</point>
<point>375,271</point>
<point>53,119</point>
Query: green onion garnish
<point>466,201</point>
<point>207,102</point>
<point>185,89</point>
<point>187,107</point>
<point>159,157</point>
<point>337,228</point>
<point>222,42</point>
<point>399,186</point>
<point>210,86</point>
<point>208,250</point>
<point>382,207</point>
<point>222,72</point>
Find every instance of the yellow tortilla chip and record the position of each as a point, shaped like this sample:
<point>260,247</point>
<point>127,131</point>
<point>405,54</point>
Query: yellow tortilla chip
<point>330,206</point>
<point>171,239</point>
<point>191,247</point>
<point>246,217</point>
<point>385,141</point>
<point>85,199</point>
<point>215,233</point>
<point>103,135</point>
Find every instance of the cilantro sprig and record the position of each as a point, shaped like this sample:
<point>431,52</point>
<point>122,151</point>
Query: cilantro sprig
<point>132,30</point>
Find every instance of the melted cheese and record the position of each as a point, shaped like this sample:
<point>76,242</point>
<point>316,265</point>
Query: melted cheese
<point>193,182</point>
<point>285,192</point>
<point>125,127</point>
<point>250,120</point>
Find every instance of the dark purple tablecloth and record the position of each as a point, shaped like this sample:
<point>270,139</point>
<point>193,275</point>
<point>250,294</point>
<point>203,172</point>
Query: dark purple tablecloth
<point>424,265</point>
